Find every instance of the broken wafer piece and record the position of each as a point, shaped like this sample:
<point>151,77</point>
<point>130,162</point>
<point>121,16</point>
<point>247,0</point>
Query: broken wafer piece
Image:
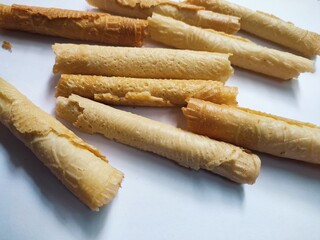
<point>267,26</point>
<point>255,130</point>
<point>186,149</point>
<point>191,14</point>
<point>79,166</point>
<point>89,26</point>
<point>141,62</point>
<point>144,92</point>
<point>245,54</point>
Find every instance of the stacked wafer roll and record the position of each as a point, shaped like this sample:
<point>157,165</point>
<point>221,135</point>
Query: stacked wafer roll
<point>245,53</point>
<point>267,26</point>
<point>79,166</point>
<point>97,27</point>
<point>191,14</point>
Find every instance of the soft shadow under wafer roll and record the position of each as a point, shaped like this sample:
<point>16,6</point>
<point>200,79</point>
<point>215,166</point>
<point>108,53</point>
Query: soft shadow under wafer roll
<point>72,24</point>
<point>144,92</point>
<point>185,148</point>
<point>79,166</point>
<point>191,14</point>
<point>255,130</point>
<point>141,62</point>
<point>245,54</point>
<point>267,26</point>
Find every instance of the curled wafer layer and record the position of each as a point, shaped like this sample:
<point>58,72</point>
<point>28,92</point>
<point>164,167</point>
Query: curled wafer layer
<point>245,54</point>
<point>255,130</point>
<point>144,92</point>
<point>185,148</point>
<point>141,62</point>
<point>79,166</point>
<point>267,26</point>
<point>72,24</point>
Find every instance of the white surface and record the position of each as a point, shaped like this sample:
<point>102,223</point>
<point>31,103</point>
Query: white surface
<point>159,199</point>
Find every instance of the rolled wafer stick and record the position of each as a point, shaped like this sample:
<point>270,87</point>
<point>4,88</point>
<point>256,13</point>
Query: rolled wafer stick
<point>255,130</point>
<point>144,92</point>
<point>141,62</point>
<point>267,26</point>
<point>185,148</point>
<point>245,54</point>
<point>191,14</point>
<point>71,24</point>
<point>79,166</point>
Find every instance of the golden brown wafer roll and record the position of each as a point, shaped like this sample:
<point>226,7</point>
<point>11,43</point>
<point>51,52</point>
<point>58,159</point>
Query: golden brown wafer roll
<point>255,130</point>
<point>71,24</point>
<point>141,62</point>
<point>79,166</point>
<point>191,14</point>
<point>185,148</point>
<point>246,54</point>
<point>267,26</point>
<point>144,92</point>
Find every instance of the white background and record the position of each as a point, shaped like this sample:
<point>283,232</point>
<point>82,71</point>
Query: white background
<point>159,199</point>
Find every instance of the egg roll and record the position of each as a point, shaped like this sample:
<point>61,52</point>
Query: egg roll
<point>80,25</point>
<point>79,166</point>
<point>141,62</point>
<point>267,26</point>
<point>255,130</point>
<point>144,92</point>
<point>245,54</point>
<point>186,149</point>
<point>191,14</point>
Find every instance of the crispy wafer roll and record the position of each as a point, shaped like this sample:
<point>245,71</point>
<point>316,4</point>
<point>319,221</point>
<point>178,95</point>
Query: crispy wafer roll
<point>71,24</point>
<point>185,148</point>
<point>255,130</point>
<point>79,166</point>
<point>191,14</point>
<point>246,54</point>
<point>144,92</point>
<point>267,26</point>
<point>141,62</point>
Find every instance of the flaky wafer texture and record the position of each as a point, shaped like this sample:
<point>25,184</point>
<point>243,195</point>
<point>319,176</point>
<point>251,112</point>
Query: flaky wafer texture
<point>255,130</point>
<point>79,166</point>
<point>185,148</point>
<point>191,14</point>
<point>267,26</point>
<point>144,92</point>
<point>141,62</point>
<point>245,54</point>
<point>72,24</point>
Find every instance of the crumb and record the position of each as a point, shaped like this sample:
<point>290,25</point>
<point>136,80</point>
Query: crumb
<point>6,45</point>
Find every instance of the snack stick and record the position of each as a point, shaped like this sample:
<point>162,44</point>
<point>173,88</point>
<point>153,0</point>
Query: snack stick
<point>141,62</point>
<point>191,14</point>
<point>144,92</point>
<point>267,26</point>
<point>185,148</point>
<point>245,54</point>
<point>72,24</point>
<point>255,130</point>
<point>79,166</point>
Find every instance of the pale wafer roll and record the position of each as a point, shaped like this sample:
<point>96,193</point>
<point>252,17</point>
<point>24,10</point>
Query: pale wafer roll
<point>191,14</point>
<point>141,62</point>
<point>245,54</point>
<point>144,92</point>
<point>185,148</point>
<point>255,130</point>
<point>79,166</point>
<point>267,26</point>
<point>71,24</point>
